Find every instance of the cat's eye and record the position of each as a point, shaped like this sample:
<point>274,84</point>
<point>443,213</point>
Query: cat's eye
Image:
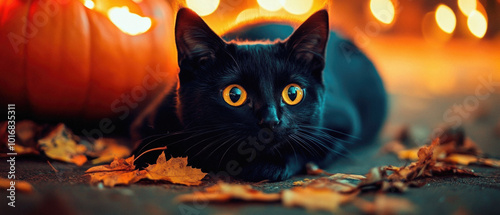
<point>235,95</point>
<point>292,94</point>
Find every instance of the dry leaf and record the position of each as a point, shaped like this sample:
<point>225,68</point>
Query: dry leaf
<point>174,170</point>
<point>301,182</point>
<point>313,198</point>
<point>107,149</point>
<point>408,154</point>
<point>347,176</point>
<point>385,205</point>
<point>120,171</point>
<point>223,192</point>
<point>21,186</point>
<point>112,178</point>
<point>461,159</point>
<point>26,134</point>
<point>60,144</point>
<point>489,162</point>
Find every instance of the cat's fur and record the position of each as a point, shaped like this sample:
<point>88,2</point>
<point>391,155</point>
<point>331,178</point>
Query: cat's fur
<point>344,100</point>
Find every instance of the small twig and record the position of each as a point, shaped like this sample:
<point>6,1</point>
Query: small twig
<point>261,182</point>
<point>55,170</point>
<point>154,149</point>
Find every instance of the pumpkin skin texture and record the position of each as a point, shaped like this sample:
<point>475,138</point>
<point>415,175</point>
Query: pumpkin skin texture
<point>60,59</point>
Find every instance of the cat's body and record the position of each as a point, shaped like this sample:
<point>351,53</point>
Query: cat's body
<point>342,99</point>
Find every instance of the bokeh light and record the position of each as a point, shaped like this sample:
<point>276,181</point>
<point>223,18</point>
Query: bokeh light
<point>467,6</point>
<point>477,24</point>
<point>271,5</point>
<point>127,22</point>
<point>203,7</point>
<point>89,4</point>
<point>297,7</point>
<point>382,10</point>
<point>445,18</point>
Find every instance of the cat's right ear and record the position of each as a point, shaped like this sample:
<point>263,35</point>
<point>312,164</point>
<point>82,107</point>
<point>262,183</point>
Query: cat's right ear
<point>194,39</point>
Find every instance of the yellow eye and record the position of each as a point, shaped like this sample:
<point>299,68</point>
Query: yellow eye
<point>234,95</point>
<point>292,94</point>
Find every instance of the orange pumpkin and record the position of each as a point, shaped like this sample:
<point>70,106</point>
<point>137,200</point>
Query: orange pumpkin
<point>60,59</point>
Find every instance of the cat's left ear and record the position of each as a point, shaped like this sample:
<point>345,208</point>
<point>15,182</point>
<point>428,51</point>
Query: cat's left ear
<point>194,39</point>
<point>308,42</point>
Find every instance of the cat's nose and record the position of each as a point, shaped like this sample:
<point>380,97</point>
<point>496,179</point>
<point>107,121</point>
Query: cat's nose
<point>270,117</point>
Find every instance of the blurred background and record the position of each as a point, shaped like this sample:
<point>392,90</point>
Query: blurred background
<point>422,48</point>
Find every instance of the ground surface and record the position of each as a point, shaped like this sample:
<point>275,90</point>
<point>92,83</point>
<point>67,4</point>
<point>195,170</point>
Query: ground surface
<point>67,192</point>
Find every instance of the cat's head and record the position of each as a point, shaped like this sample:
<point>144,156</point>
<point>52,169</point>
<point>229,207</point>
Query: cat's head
<point>238,89</point>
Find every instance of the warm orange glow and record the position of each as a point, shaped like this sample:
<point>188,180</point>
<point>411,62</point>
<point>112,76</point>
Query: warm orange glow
<point>203,7</point>
<point>129,23</point>
<point>297,7</point>
<point>445,18</point>
<point>467,6</point>
<point>477,24</point>
<point>89,4</point>
<point>382,10</point>
<point>271,5</point>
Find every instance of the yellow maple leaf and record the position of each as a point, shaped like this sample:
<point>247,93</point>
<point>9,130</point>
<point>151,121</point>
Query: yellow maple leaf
<point>174,170</point>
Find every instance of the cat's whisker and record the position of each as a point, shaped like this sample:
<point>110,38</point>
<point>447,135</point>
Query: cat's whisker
<point>185,132</point>
<point>318,142</point>
<point>312,145</point>
<point>207,139</point>
<point>293,149</point>
<point>218,147</point>
<point>303,143</point>
<point>227,150</point>
<point>329,138</point>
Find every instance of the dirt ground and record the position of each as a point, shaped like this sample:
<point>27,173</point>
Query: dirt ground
<point>68,192</point>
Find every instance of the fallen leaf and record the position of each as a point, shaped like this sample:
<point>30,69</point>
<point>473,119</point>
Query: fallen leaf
<point>489,162</point>
<point>107,149</point>
<point>223,192</point>
<point>313,169</point>
<point>60,144</point>
<point>347,176</point>
<point>301,182</point>
<point>461,159</point>
<point>408,154</point>
<point>313,198</point>
<point>385,205</point>
<point>119,172</point>
<point>112,178</point>
<point>25,138</point>
<point>21,186</point>
<point>174,170</point>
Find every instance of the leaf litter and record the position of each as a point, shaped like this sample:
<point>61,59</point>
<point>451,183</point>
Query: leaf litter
<point>60,143</point>
<point>123,171</point>
<point>332,190</point>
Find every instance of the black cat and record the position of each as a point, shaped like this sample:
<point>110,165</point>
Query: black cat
<point>262,110</point>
